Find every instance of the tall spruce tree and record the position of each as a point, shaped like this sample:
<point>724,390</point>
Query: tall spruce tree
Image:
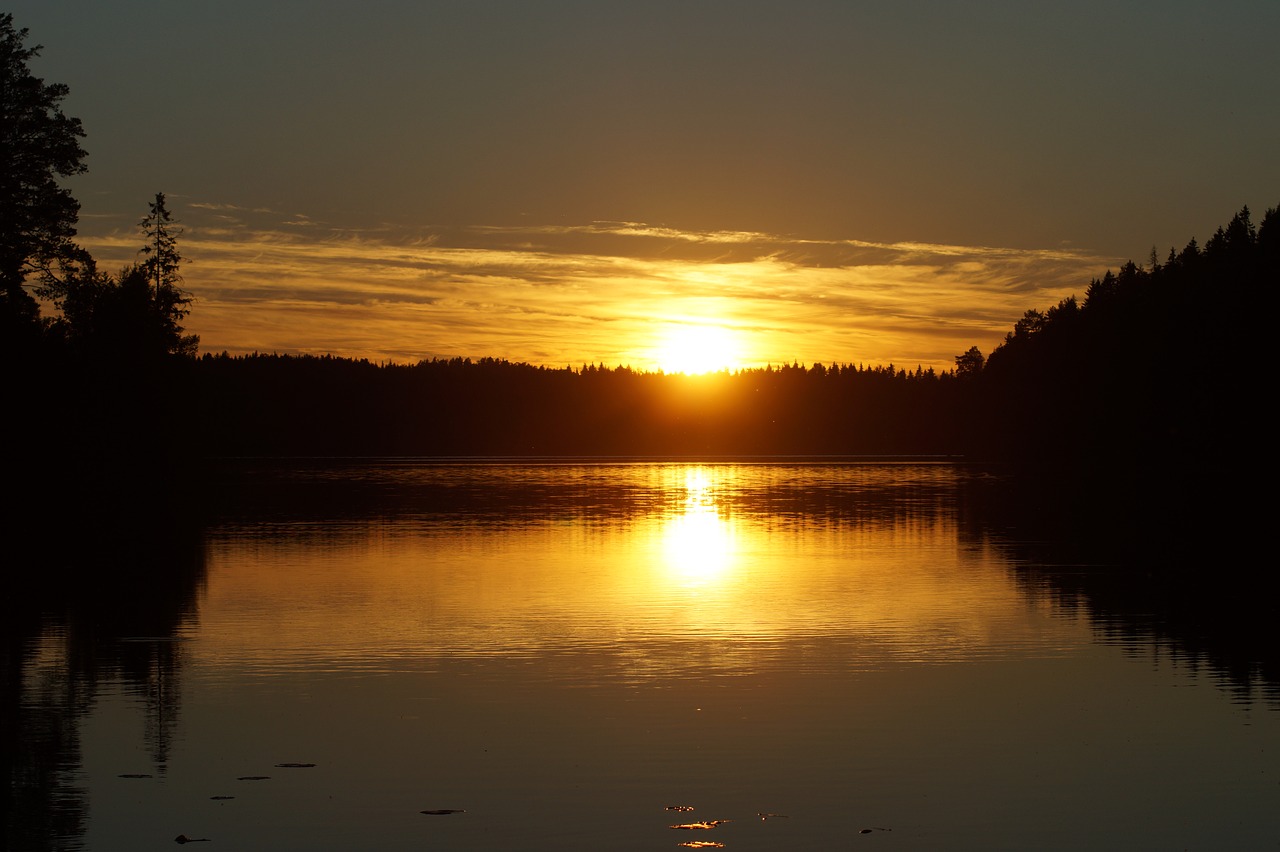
<point>162,269</point>
<point>163,261</point>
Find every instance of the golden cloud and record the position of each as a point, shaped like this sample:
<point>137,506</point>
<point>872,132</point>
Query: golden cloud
<point>602,292</point>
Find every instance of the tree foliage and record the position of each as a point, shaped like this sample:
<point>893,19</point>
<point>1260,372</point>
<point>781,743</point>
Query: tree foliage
<point>970,363</point>
<point>134,316</point>
<point>39,144</point>
<point>120,318</point>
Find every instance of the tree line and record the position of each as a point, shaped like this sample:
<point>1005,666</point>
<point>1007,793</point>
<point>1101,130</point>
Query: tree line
<point>307,405</point>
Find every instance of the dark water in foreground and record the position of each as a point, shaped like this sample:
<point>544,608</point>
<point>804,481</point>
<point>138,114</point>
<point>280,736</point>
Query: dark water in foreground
<point>563,651</point>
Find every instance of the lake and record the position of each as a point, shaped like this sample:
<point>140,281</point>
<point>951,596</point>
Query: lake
<point>774,654</point>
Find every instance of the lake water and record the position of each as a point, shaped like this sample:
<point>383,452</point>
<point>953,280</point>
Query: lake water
<point>564,652</point>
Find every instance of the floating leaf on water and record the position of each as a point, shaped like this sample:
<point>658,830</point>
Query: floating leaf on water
<point>253,778</point>
<point>443,811</point>
<point>295,765</point>
<point>679,807</point>
<point>134,775</point>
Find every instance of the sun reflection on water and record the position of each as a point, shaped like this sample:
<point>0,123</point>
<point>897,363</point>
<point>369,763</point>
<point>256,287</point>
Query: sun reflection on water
<point>714,566</point>
<point>698,542</point>
<point>698,546</point>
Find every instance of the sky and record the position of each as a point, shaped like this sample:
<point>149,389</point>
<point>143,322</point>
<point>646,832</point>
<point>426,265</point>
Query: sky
<point>661,185</point>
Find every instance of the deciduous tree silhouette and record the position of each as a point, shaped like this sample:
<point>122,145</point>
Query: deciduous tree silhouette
<point>38,145</point>
<point>970,363</point>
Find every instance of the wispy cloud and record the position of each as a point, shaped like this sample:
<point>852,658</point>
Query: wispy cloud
<point>267,280</point>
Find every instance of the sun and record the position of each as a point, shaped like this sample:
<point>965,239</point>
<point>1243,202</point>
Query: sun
<point>697,348</point>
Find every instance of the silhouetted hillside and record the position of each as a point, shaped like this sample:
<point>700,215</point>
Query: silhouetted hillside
<point>1146,404</point>
<point>1156,362</point>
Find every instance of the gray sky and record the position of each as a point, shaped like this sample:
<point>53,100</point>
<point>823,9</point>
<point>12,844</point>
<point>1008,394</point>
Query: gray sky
<point>1090,128</point>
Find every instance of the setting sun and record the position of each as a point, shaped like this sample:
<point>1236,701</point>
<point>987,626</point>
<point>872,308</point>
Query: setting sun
<point>694,349</point>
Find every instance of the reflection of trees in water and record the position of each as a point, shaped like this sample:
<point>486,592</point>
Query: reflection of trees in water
<point>1213,623</point>
<point>303,491</point>
<point>44,702</point>
<point>1148,567</point>
<point>107,606</point>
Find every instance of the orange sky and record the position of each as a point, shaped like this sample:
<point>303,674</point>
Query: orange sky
<point>611,293</point>
<point>563,182</point>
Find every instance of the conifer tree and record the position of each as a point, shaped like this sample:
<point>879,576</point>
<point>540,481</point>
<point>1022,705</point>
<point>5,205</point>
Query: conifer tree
<point>162,269</point>
<point>163,260</point>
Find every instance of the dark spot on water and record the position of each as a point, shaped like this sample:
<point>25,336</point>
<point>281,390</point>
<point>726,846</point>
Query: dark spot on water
<point>764,817</point>
<point>253,778</point>
<point>182,838</point>
<point>221,798</point>
<point>295,765</point>
<point>134,775</point>
<point>443,811</point>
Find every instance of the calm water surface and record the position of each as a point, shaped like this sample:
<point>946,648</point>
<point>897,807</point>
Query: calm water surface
<point>563,651</point>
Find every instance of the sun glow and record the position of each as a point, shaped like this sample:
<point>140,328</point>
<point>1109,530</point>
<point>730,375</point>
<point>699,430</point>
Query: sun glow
<point>698,542</point>
<point>694,349</point>
<point>699,547</point>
